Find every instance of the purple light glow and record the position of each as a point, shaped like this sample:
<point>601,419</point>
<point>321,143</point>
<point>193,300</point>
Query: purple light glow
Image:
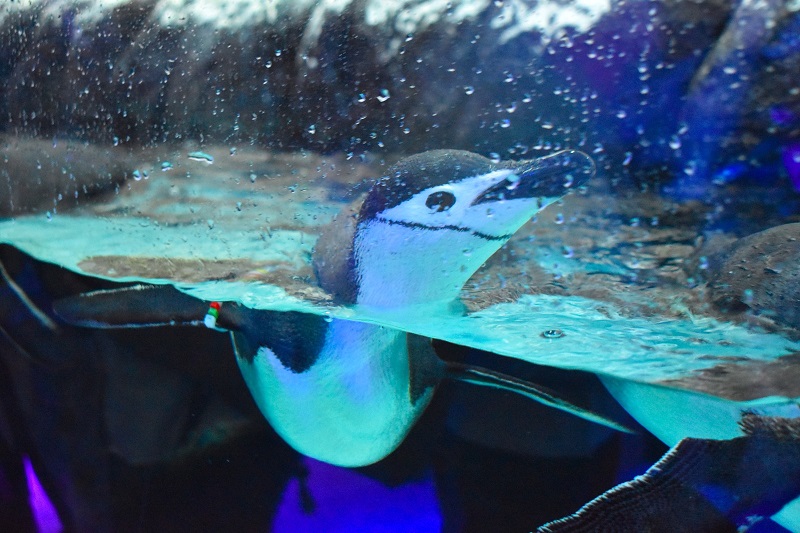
<point>42,508</point>
<point>791,161</point>
<point>345,500</point>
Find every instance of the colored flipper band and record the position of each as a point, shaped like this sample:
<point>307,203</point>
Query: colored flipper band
<point>212,315</point>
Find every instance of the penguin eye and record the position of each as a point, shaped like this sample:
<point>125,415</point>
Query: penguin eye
<point>440,201</point>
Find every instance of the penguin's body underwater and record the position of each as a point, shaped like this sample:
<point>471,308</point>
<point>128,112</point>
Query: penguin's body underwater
<point>348,392</point>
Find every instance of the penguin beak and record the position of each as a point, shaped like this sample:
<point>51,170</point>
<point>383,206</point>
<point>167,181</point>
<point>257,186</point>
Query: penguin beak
<point>546,177</point>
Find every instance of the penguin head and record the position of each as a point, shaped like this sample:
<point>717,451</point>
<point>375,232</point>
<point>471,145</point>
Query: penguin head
<point>428,225</point>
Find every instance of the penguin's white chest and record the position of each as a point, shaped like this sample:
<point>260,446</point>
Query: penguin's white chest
<point>400,265</point>
<point>352,407</point>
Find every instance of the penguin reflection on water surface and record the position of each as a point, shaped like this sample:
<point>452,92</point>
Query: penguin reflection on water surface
<point>348,392</point>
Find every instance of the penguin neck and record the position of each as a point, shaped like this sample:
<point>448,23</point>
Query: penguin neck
<point>399,265</point>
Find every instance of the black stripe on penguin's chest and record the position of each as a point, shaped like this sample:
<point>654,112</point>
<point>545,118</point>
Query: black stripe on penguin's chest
<point>295,338</point>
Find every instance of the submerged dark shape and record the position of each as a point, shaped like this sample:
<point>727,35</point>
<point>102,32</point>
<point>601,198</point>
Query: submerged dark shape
<point>703,485</point>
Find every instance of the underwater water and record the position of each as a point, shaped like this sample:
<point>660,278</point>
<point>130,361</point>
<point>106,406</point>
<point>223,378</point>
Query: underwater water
<point>481,263</point>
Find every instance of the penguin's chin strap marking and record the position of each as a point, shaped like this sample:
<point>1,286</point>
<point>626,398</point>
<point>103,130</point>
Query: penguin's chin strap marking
<point>459,229</point>
<point>497,380</point>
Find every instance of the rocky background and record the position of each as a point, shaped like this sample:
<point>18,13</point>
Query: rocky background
<point>686,92</point>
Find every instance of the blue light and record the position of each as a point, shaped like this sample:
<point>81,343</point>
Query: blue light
<point>346,500</point>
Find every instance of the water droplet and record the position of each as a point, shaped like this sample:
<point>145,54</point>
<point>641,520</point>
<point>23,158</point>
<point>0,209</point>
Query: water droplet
<point>628,158</point>
<point>384,95</point>
<point>559,218</point>
<point>238,206</point>
<point>635,222</point>
<point>252,177</point>
<point>210,223</point>
<point>552,334</point>
<point>49,216</point>
<point>165,166</point>
<point>312,129</point>
<point>505,123</point>
<point>622,113</point>
<point>469,89</point>
<point>747,297</point>
<point>567,252</point>
<point>232,150</point>
<point>675,142</point>
<point>495,157</point>
<point>703,263</point>
<point>362,97</point>
<point>511,108</point>
<point>569,180</point>
<point>137,175</point>
<point>202,157</point>
<point>512,182</point>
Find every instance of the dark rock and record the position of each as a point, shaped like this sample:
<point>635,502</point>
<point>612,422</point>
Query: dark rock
<point>760,273</point>
<point>50,175</point>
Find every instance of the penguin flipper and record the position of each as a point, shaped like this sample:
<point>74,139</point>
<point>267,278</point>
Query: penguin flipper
<point>497,380</point>
<point>133,306</point>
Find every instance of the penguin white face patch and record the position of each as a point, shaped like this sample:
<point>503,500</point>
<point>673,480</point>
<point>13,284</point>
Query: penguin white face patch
<point>457,206</point>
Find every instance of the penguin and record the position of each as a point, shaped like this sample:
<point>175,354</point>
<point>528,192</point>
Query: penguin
<point>348,392</point>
